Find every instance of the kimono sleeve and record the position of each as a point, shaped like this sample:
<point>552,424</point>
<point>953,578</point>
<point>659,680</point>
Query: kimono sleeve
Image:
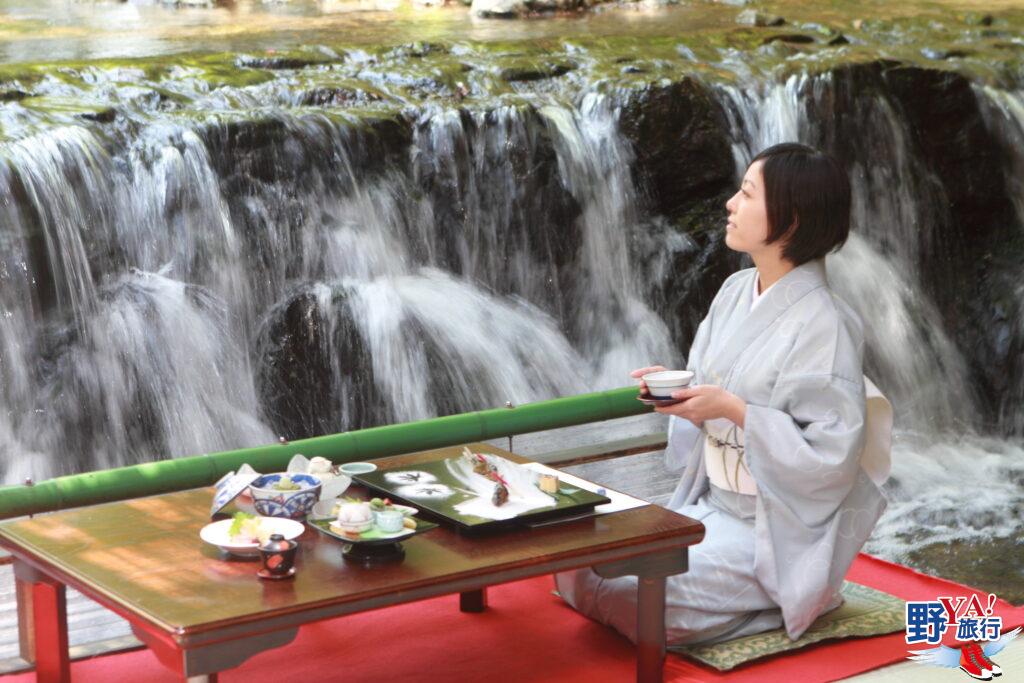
<point>805,456</point>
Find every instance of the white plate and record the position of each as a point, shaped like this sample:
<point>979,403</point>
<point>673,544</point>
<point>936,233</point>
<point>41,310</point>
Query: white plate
<point>216,533</point>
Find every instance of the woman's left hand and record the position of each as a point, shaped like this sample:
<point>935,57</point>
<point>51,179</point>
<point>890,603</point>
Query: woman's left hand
<point>706,402</point>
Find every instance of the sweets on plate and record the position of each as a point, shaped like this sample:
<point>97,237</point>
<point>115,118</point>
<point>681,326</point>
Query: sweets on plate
<point>548,483</point>
<point>354,517</point>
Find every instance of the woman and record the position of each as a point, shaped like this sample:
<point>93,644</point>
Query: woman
<point>769,436</point>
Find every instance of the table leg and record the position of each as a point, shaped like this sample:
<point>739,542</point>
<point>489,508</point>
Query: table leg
<point>650,629</point>
<point>26,628</point>
<point>473,601</point>
<point>50,613</point>
<point>651,571</point>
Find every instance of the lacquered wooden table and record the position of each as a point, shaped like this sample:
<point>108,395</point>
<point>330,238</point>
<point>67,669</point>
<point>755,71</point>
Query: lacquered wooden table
<point>201,613</point>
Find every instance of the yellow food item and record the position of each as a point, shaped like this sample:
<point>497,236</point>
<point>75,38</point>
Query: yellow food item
<point>409,523</point>
<point>549,483</point>
<point>286,484</point>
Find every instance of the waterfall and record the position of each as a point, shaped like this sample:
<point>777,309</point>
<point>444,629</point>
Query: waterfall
<point>939,441</point>
<point>616,326</point>
<point>212,285</point>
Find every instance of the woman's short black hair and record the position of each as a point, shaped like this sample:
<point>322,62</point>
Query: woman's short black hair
<point>807,197</point>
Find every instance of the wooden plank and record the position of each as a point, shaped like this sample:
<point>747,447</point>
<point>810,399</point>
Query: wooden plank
<point>643,475</point>
<point>604,451</point>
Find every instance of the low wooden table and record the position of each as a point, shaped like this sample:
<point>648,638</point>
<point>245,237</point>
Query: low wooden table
<point>201,613</point>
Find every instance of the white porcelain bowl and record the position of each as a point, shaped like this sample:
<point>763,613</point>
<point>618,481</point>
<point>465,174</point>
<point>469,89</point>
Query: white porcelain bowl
<point>294,503</point>
<point>664,382</point>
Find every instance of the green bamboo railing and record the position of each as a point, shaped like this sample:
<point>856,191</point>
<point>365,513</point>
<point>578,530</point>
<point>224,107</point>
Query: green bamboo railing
<point>203,470</point>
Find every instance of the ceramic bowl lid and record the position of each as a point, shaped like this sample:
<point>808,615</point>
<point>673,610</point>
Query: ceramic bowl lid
<point>231,485</point>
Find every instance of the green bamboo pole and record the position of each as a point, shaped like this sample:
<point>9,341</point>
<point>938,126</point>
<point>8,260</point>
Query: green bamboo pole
<point>151,478</point>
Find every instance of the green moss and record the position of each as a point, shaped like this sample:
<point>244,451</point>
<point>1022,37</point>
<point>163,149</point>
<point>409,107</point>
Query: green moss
<point>490,73</point>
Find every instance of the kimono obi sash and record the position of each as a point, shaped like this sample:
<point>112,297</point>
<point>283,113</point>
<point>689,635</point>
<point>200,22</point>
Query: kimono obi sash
<point>723,458</point>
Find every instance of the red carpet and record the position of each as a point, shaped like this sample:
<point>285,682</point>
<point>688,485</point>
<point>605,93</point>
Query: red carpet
<point>527,634</point>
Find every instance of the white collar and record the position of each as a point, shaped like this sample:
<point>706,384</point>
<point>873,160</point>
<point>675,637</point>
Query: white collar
<point>756,298</point>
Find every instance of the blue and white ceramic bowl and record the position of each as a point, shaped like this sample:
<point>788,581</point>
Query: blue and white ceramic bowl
<point>294,504</point>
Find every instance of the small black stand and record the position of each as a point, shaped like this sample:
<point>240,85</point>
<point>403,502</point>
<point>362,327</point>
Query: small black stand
<point>373,554</point>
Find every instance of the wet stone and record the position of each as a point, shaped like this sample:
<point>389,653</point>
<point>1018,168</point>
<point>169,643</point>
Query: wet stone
<point>791,38</point>
<point>939,53</point>
<point>276,63</point>
<point>418,49</point>
<point>12,95</point>
<point>535,73</point>
<point>979,19</point>
<point>102,116</point>
<point>751,17</point>
<point>319,97</point>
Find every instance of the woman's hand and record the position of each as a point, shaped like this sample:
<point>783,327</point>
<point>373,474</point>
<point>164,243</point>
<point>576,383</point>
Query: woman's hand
<point>707,402</point>
<point>640,372</point>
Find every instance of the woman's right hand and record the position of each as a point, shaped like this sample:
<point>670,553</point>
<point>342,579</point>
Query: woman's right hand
<point>640,372</point>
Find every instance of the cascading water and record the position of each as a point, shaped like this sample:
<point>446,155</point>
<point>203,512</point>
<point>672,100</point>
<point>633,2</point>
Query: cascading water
<point>939,441</point>
<point>442,282</point>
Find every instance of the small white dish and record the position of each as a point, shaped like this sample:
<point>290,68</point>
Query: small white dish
<point>661,384</point>
<point>353,468</point>
<point>389,521</point>
<point>216,533</point>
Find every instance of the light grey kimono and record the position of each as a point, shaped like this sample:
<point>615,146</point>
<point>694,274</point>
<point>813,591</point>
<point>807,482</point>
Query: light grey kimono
<point>796,360</point>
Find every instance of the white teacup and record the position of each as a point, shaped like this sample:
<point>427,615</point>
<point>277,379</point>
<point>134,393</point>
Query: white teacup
<point>661,384</point>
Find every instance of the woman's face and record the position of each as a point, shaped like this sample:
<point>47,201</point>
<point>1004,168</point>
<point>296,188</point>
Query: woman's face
<point>747,226</point>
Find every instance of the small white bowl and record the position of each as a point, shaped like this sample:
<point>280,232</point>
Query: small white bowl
<point>351,468</point>
<point>662,383</point>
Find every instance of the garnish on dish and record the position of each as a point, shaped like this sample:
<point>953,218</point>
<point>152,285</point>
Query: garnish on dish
<point>247,528</point>
<point>286,484</point>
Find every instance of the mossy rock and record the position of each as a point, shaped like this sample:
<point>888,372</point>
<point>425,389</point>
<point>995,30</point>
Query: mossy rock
<point>995,565</point>
<point>536,72</point>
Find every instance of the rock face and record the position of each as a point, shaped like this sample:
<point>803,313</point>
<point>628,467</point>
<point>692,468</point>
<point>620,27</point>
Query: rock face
<point>682,146</point>
<point>313,374</point>
<point>684,163</point>
<point>968,238</point>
